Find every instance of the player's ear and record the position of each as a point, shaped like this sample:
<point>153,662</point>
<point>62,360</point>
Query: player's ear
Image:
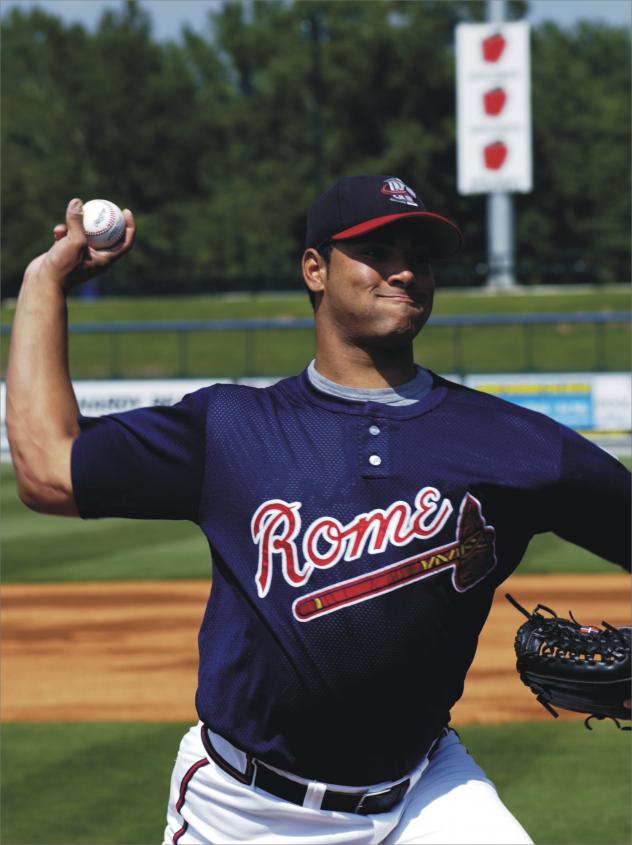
<point>314,270</point>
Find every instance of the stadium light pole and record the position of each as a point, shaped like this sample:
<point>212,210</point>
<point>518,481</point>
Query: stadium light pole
<point>500,217</point>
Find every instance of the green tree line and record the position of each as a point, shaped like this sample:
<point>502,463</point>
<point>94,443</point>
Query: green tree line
<point>219,141</point>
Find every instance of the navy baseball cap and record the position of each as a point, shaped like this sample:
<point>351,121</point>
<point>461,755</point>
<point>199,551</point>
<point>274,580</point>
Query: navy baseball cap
<point>356,205</point>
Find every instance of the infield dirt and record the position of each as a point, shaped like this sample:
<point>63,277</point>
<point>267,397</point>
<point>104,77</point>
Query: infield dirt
<point>122,651</point>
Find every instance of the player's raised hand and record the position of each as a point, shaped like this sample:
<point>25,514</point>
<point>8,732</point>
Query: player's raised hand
<point>71,260</point>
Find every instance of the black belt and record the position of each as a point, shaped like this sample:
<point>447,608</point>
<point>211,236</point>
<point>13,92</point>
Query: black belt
<point>258,774</point>
<point>364,803</point>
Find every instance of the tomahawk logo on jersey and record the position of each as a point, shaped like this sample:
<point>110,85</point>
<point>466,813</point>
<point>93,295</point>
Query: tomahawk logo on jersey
<point>276,525</point>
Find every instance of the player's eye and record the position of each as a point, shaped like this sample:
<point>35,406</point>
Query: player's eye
<point>375,251</point>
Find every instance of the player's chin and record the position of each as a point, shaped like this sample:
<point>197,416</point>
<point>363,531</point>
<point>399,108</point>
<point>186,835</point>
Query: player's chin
<point>399,335</point>
<point>408,324</point>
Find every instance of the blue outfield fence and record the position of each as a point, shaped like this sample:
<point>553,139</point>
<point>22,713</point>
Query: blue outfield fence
<point>600,320</point>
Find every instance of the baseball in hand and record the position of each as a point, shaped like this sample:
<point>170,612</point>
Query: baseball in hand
<point>103,223</point>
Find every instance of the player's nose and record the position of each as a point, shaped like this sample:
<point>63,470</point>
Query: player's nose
<point>403,276</point>
<point>403,267</point>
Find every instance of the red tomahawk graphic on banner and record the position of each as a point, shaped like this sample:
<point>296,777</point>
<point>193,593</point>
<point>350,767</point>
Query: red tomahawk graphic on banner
<point>471,556</point>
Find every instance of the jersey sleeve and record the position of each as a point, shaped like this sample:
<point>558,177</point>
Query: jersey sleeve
<point>147,463</point>
<point>590,504</point>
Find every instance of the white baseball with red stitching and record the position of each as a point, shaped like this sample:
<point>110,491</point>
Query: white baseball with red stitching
<point>103,223</point>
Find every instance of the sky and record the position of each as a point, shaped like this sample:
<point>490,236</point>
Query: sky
<point>169,16</point>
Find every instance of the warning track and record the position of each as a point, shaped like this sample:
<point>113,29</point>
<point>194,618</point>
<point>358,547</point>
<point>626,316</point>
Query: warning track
<point>122,651</point>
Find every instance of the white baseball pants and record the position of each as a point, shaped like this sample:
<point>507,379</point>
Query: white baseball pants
<point>450,800</point>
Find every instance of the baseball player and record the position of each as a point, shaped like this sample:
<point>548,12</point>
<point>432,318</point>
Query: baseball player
<point>360,516</point>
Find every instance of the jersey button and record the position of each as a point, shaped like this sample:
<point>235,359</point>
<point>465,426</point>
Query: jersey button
<point>374,429</point>
<point>375,460</point>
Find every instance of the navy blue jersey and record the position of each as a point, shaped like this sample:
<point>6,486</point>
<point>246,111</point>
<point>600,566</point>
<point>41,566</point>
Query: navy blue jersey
<point>356,550</point>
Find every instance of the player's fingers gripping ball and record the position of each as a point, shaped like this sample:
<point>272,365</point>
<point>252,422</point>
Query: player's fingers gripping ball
<point>103,223</point>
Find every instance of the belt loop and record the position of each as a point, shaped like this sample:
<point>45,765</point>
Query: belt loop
<point>314,795</point>
<point>250,769</point>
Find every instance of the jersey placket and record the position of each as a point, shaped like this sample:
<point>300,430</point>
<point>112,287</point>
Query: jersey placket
<point>374,446</point>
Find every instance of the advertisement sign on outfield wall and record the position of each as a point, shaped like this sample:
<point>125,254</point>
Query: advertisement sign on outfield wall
<point>585,401</point>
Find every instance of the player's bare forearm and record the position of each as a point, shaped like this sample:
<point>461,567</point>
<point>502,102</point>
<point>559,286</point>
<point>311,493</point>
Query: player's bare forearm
<point>41,408</point>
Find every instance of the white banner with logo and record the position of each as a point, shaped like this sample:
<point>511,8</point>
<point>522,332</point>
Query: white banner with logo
<point>588,402</point>
<point>493,94</point>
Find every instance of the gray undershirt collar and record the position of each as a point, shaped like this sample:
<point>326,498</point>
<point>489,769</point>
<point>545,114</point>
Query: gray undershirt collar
<point>404,394</point>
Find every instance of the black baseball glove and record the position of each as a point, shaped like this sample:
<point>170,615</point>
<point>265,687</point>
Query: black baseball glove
<point>572,666</point>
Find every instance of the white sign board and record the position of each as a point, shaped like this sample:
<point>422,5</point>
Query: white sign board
<point>493,94</point>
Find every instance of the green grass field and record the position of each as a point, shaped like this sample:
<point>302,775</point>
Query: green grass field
<point>446,350</point>
<point>564,784</point>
